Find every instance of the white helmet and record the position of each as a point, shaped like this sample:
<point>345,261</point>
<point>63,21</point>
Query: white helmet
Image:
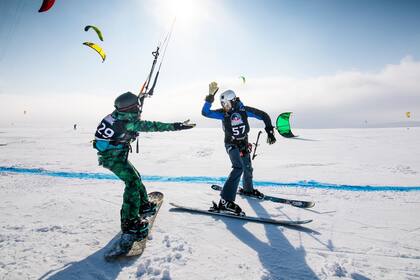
<point>226,99</point>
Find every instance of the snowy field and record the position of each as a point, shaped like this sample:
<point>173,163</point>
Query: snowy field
<point>54,227</point>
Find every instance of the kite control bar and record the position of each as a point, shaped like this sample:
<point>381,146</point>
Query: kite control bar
<point>144,91</point>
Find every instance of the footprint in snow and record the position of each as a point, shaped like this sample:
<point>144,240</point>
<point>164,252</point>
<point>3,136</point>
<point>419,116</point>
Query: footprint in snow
<point>204,152</point>
<point>159,267</point>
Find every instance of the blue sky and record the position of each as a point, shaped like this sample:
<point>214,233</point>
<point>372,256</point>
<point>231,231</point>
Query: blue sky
<point>42,56</point>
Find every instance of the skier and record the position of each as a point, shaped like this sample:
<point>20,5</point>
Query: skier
<point>234,116</point>
<point>112,140</point>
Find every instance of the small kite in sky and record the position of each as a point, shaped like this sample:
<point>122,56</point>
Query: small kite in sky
<point>46,5</point>
<point>97,30</point>
<point>97,48</point>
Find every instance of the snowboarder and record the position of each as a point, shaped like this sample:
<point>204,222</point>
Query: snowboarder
<point>112,140</point>
<point>234,116</point>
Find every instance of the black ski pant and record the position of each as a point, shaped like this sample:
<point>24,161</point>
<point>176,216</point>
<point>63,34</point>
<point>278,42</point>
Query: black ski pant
<point>240,165</point>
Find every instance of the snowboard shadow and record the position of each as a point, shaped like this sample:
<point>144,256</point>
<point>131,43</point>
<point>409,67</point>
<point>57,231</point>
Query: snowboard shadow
<point>280,259</point>
<point>92,267</point>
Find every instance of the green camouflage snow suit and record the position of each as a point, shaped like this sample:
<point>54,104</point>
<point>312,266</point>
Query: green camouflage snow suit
<point>112,140</point>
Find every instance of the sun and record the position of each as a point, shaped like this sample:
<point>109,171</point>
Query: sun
<point>188,13</point>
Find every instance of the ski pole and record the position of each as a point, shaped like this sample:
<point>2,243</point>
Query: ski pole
<point>256,145</point>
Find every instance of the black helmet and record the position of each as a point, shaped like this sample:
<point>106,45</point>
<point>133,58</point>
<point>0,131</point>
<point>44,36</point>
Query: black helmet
<point>127,102</point>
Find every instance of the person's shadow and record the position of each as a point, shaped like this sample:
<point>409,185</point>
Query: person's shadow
<point>92,267</point>
<point>280,259</point>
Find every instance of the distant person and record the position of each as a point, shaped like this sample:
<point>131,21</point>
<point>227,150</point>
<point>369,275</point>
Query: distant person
<point>112,140</point>
<point>234,116</point>
<point>75,126</point>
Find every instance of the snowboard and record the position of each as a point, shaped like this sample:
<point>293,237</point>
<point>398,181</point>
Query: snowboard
<point>124,246</point>
<point>245,218</point>
<point>292,202</point>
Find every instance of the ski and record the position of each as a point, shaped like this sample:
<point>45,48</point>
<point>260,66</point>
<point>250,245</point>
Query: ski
<point>292,202</point>
<point>127,247</point>
<point>246,218</point>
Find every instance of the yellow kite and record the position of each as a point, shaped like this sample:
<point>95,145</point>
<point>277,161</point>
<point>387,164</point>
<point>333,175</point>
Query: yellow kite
<point>97,48</point>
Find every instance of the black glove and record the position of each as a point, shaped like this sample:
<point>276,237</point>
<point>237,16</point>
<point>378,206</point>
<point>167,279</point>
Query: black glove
<point>183,125</point>
<point>210,98</point>
<point>271,139</point>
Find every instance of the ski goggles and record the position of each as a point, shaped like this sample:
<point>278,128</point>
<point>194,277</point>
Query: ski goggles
<point>131,109</point>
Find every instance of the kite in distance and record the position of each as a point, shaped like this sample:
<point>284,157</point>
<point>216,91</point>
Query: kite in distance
<point>46,5</point>
<point>97,30</point>
<point>283,125</point>
<point>97,48</point>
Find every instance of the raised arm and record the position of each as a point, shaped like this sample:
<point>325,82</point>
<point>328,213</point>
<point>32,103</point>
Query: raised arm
<point>213,114</point>
<point>206,110</point>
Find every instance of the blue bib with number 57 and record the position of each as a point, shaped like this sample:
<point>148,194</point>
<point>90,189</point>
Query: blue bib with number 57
<point>236,124</point>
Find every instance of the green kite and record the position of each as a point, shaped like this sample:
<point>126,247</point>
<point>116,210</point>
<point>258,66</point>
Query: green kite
<point>98,32</point>
<point>283,125</point>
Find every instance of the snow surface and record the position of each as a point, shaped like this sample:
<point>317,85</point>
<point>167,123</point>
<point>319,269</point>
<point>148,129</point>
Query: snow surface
<point>53,227</point>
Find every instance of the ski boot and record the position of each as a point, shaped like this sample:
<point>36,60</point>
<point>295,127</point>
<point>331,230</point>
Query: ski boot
<point>229,207</point>
<point>147,209</point>
<point>254,193</point>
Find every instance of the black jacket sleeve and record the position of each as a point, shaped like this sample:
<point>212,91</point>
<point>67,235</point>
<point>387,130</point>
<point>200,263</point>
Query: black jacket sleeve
<point>260,115</point>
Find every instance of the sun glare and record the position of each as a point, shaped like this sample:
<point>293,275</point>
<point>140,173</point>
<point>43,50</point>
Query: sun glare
<point>188,13</point>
